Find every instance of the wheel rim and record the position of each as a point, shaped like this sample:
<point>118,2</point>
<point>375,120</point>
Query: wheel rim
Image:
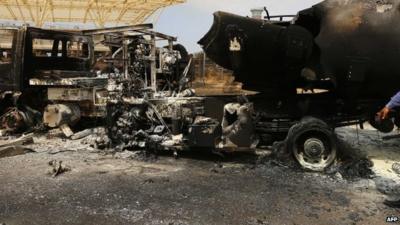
<point>315,150</point>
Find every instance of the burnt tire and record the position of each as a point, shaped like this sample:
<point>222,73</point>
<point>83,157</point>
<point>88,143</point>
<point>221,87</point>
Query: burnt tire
<point>312,143</point>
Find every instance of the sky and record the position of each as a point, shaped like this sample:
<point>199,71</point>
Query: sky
<point>190,21</point>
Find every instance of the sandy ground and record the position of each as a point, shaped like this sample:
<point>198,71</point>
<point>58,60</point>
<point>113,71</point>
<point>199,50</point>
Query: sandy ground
<point>197,188</point>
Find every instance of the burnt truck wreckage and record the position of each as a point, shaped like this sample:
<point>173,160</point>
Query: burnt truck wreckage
<point>57,73</point>
<point>334,64</point>
<point>140,90</point>
<point>59,66</point>
<point>317,72</point>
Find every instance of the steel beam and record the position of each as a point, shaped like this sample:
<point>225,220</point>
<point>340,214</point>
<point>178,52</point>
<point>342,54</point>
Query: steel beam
<point>122,29</point>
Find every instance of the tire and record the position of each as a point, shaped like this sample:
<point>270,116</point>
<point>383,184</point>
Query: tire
<point>312,143</point>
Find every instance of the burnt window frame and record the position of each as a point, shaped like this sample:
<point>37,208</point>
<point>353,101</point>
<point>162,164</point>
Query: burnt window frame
<point>61,45</point>
<point>72,64</point>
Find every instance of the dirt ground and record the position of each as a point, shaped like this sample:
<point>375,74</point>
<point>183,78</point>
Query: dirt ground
<point>196,188</point>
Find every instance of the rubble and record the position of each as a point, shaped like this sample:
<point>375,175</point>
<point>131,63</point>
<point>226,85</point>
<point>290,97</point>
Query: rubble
<point>66,130</point>
<point>87,132</point>
<point>396,168</point>
<point>142,156</point>
<point>361,168</point>
<point>58,168</point>
<point>352,163</point>
<point>125,155</point>
<point>55,133</point>
<point>16,120</point>
<point>136,127</point>
<point>22,140</point>
<point>388,187</point>
<point>15,150</point>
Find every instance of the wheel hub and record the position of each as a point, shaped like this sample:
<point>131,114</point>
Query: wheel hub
<point>314,147</point>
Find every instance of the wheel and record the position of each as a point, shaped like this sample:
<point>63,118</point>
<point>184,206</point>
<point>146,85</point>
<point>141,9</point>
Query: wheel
<point>312,143</point>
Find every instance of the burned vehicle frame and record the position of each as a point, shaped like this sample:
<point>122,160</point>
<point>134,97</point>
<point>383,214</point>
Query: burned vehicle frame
<point>30,54</point>
<point>332,65</point>
<point>53,71</point>
<point>141,89</point>
<point>150,103</point>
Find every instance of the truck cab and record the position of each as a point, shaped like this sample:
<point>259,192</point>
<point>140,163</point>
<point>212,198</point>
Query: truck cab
<point>31,53</point>
<point>38,67</point>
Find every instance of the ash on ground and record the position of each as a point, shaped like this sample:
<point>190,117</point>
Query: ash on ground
<point>107,186</point>
<point>351,164</point>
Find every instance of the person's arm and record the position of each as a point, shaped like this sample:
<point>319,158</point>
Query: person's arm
<point>394,102</point>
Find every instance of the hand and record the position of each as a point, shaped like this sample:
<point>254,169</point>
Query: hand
<point>384,113</point>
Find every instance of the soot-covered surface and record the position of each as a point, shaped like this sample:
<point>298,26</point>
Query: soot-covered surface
<point>197,188</point>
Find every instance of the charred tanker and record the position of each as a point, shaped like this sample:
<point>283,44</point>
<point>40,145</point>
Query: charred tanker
<point>334,64</point>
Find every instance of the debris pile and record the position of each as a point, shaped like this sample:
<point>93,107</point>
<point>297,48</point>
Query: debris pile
<point>58,168</point>
<point>352,169</point>
<point>16,120</point>
<point>396,168</point>
<point>352,163</point>
<point>137,127</point>
<point>14,150</point>
<point>143,155</point>
<point>14,147</point>
<point>94,137</point>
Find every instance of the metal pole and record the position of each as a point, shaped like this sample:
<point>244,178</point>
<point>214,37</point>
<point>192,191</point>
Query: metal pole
<point>126,58</point>
<point>153,64</point>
